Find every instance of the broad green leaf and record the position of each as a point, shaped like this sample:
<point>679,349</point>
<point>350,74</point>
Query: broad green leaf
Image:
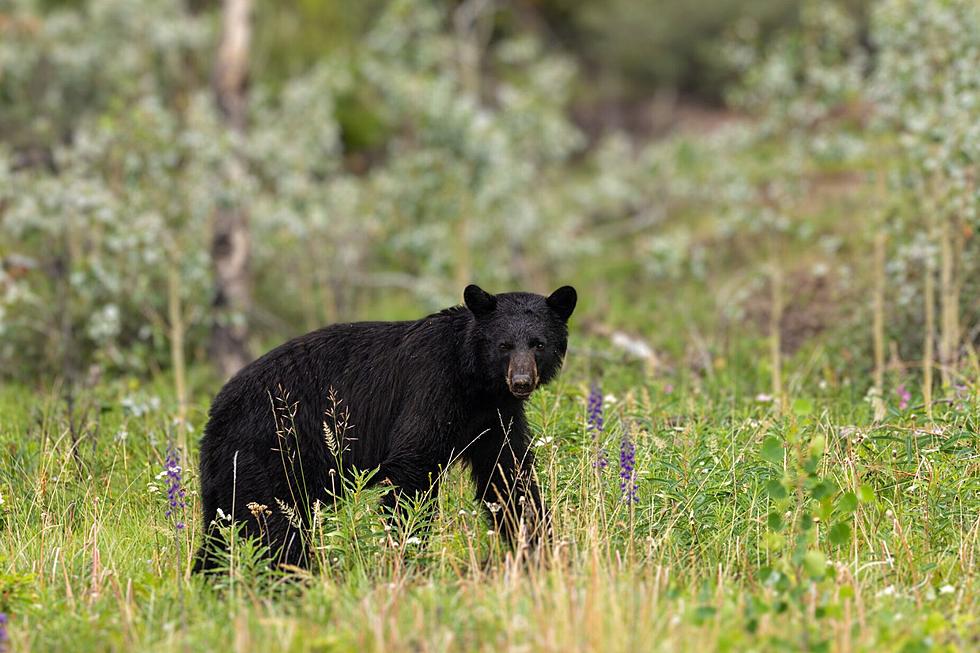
<point>866,493</point>
<point>772,450</point>
<point>802,407</point>
<point>848,502</point>
<point>817,446</point>
<point>825,510</point>
<point>821,490</point>
<point>840,533</point>
<point>815,564</point>
<point>776,489</point>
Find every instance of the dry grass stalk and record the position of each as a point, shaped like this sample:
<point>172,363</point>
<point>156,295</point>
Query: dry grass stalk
<point>775,344</point>
<point>175,314</point>
<point>879,323</point>
<point>927,349</point>
<point>949,305</point>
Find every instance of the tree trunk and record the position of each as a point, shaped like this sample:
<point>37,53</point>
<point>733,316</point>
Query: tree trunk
<point>230,242</point>
<point>472,36</point>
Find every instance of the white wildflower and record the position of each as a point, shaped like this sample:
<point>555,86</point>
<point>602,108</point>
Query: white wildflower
<point>221,516</point>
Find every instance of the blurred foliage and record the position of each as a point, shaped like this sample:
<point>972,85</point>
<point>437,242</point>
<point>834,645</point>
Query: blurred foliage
<point>417,149</point>
<point>292,35</point>
<point>674,43</point>
<point>131,141</point>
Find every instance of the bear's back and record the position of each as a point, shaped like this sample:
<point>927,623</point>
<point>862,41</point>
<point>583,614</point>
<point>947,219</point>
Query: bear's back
<point>370,368</point>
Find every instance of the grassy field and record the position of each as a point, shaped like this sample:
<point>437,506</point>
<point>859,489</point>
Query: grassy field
<point>790,462</point>
<point>806,527</point>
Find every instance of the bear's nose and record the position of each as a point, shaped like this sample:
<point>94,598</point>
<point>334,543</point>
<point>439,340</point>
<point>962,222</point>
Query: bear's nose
<point>522,383</point>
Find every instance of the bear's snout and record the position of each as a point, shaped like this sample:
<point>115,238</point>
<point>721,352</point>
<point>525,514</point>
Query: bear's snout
<point>522,375</point>
<point>521,383</point>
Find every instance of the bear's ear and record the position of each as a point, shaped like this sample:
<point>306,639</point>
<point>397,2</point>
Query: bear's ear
<point>478,300</point>
<point>562,302</point>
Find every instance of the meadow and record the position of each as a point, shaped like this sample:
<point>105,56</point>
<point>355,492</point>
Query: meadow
<point>765,436</point>
<point>689,515</point>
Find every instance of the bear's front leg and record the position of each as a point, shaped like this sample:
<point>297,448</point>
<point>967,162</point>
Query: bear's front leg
<point>503,470</point>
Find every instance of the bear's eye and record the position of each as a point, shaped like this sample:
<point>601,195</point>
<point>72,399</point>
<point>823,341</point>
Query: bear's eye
<point>505,346</point>
<point>538,345</point>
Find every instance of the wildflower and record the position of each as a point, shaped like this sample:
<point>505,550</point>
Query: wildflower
<point>668,388</point>
<point>904,396</point>
<point>947,589</point>
<point>627,469</point>
<point>221,516</point>
<point>258,510</point>
<point>175,488</point>
<point>4,637</point>
<point>595,418</point>
<point>596,424</point>
<point>872,395</point>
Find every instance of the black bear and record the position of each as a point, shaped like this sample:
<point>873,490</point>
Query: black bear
<point>420,395</point>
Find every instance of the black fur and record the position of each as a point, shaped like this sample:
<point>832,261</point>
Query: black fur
<point>420,394</point>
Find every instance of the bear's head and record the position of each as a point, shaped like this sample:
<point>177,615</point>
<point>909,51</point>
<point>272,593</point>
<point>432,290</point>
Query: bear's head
<point>521,337</point>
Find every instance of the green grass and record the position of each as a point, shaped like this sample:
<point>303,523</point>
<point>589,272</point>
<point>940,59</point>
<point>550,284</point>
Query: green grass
<point>722,552</point>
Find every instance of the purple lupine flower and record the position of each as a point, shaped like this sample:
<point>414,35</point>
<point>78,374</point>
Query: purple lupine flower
<point>627,469</point>
<point>4,636</point>
<point>904,396</point>
<point>175,488</point>
<point>596,424</point>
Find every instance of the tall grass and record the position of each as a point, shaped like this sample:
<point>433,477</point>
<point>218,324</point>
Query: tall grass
<point>812,528</point>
